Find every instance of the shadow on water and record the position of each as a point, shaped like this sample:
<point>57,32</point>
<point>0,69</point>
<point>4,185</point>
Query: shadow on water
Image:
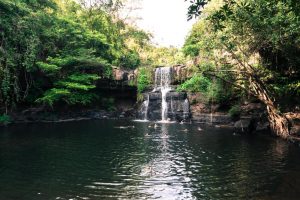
<point>119,159</point>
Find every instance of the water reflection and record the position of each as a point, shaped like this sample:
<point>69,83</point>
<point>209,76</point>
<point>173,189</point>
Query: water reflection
<point>164,178</point>
<point>133,160</point>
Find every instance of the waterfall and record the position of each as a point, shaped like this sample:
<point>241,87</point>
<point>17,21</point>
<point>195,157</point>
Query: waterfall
<point>186,108</point>
<point>163,79</point>
<point>163,103</point>
<point>146,104</point>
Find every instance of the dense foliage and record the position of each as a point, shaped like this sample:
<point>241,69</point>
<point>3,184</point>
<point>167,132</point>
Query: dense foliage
<point>144,79</point>
<point>162,56</point>
<point>212,89</point>
<point>54,51</point>
<point>255,42</point>
<point>262,34</point>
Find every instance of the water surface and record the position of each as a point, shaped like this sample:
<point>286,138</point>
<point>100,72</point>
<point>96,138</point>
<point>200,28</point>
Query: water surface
<point>119,159</point>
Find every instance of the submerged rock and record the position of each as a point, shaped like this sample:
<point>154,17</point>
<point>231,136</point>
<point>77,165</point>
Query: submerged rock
<point>246,125</point>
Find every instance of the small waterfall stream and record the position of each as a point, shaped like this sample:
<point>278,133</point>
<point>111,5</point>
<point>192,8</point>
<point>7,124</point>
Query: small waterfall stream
<point>146,105</point>
<point>186,108</point>
<point>163,79</point>
<point>163,103</point>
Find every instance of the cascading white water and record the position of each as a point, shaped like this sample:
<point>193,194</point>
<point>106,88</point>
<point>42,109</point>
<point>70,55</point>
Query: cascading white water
<point>146,104</point>
<point>163,79</point>
<point>186,108</point>
<point>162,103</point>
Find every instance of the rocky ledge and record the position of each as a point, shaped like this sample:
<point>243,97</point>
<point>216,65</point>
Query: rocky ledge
<point>40,115</point>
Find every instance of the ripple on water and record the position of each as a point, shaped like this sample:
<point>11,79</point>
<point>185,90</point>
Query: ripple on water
<point>95,160</point>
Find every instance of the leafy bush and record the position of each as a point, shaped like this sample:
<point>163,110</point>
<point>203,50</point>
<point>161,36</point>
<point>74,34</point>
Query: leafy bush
<point>48,68</point>
<point>198,83</point>
<point>144,79</point>
<point>218,92</point>
<point>213,91</point>
<point>4,119</point>
<point>75,89</point>
<point>44,42</point>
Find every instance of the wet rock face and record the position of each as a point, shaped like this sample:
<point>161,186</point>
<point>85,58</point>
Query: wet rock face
<point>163,102</point>
<point>180,73</point>
<point>178,106</point>
<point>176,96</point>
<point>170,96</point>
<point>153,96</point>
<point>124,75</point>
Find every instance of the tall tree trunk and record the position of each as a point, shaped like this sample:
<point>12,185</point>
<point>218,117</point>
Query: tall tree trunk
<point>279,124</point>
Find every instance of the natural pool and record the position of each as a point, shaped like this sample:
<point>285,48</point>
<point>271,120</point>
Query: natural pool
<point>119,159</point>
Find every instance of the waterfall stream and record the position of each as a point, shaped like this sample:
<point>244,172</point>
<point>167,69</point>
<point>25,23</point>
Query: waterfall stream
<point>146,105</point>
<point>163,79</point>
<point>186,108</point>
<point>163,103</point>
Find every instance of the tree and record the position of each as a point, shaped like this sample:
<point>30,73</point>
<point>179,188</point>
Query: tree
<point>45,44</point>
<point>260,40</point>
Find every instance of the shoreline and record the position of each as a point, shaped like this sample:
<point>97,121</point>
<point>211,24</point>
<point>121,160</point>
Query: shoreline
<point>247,124</point>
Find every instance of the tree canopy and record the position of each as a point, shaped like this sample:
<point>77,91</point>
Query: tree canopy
<point>52,51</point>
<point>256,44</point>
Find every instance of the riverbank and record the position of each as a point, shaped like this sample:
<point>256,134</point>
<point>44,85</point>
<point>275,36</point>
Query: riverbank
<point>34,115</point>
<point>252,119</point>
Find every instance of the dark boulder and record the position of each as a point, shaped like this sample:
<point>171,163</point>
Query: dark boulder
<point>246,125</point>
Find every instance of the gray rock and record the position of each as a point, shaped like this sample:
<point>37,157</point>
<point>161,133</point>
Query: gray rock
<point>176,96</point>
<point>176,109</point>
<point>262,126</point>
<point>214,118</point>
<point>154,96</point>
<point>244,125</point>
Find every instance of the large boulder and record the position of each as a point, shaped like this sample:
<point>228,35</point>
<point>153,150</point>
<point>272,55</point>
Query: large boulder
<point>120,74</point>
<point>246,125</point>
<point>180,72</point>
<point>153,96</point>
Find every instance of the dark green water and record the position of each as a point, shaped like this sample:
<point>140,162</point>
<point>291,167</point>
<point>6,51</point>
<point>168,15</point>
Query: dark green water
<point>96,160</point>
